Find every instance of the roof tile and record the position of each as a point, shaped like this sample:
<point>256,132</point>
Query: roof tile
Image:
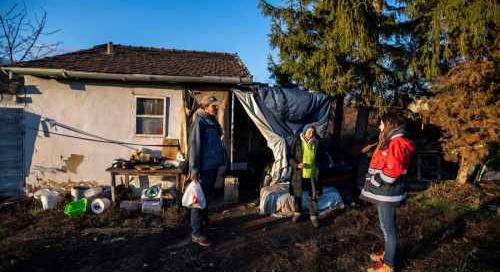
<point>145,60</point>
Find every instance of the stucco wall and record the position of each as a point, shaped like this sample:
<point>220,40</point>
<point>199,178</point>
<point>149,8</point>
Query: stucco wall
<point>102,109</point>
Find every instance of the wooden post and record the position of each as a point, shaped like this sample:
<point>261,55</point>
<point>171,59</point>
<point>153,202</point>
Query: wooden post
<point>231,193</point>
<point>127,181</point>
<point>113,187</point>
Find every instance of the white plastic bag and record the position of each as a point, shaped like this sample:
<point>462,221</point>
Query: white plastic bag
<point>194,197</point>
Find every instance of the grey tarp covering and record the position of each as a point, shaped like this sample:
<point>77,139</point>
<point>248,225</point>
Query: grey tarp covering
<point>281,113</point>
<point>275,198</point>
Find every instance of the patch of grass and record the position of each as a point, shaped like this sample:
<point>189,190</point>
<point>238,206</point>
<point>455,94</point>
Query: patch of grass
<point>445,205</point>
<point>449,197</point>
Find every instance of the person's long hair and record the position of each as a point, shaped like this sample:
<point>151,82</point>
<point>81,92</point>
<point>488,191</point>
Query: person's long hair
<point>391,121</point>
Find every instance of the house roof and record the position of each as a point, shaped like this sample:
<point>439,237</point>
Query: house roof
<point>132,60</point>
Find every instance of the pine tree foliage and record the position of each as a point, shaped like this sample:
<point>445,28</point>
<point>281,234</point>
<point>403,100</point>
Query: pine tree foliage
<point>338,46</point>
<point>466,106</point>
<point>448,32</point>
<point>375,48</point>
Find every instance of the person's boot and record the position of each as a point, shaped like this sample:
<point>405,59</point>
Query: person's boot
<point>377,256</point>
<point>296,217</point>
<point>315,221</point>
<point>380,267</point>
<point>313,211</point>
<point>201,240</point>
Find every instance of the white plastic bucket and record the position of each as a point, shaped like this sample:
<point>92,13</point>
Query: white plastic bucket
<point>48,201</point>
<point>99,205</point>
<point>49,198</point>
<point>38,194</point>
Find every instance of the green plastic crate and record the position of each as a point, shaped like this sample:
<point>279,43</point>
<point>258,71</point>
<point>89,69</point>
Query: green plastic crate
<point>76,208</point>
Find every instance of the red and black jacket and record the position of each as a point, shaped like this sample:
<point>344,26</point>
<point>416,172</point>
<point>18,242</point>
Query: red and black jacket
<point>384,181</point>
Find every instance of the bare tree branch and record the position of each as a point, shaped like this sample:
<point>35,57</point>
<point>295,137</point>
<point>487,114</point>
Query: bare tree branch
<point>20,35</point>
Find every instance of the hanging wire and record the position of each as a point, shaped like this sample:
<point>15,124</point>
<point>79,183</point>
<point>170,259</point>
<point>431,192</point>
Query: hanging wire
<point>96,140</point>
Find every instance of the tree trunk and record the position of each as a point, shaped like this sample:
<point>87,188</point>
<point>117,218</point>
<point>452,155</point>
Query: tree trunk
<point>361,122</point>
<point>464,171</point>
<point>337,119</point>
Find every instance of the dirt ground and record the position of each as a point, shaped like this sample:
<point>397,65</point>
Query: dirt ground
<point>444,228</point>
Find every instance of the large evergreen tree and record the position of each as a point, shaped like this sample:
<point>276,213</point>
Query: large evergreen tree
<point>466,106</point>
<point>457,52</point>
<point>380,48</point>
<point>339,47</point>
<point>448,32</point>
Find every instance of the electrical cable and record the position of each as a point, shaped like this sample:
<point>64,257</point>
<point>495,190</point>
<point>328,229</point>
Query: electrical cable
<point>96,140</point>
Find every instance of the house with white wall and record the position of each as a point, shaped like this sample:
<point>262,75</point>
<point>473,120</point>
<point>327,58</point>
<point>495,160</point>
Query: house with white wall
<point>75,113</point>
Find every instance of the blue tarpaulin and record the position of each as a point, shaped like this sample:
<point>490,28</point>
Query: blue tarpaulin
<point>281,113</point>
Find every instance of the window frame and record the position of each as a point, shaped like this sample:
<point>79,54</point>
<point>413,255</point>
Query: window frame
<point>164,116</point>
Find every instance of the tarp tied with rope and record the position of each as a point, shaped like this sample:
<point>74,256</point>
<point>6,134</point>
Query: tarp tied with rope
<point>280,113</point>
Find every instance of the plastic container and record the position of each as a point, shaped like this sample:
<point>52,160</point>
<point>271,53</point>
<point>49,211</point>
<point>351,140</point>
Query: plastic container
<point>152,193</point>
<point>49,201</point>
<point>93,192</point>
<point>152,206</point>
<point>99,205</point>
<point>49,198</point>
<point>78,192</point>
<point>129,205</point>
<point>38,194</point>
<point>76,208</point>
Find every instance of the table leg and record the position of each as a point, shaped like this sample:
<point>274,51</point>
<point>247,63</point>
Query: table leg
<point>113,188</point>
<point>178,193</point>
<point>127,181</point>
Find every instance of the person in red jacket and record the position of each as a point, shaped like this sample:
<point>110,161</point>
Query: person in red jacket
<point>385,184</point>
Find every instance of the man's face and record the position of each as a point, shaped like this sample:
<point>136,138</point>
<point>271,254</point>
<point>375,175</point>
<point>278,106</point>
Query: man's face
<point>309,133</point>
<point>212,109</point>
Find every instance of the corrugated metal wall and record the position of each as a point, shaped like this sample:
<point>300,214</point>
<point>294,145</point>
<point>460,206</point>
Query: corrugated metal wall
<point>11,152</point>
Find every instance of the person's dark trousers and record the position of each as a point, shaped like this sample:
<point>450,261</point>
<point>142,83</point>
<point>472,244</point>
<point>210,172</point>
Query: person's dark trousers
<point>207,179</point>
<point>363,163</point>
<point>309,186</point>
<point>387,218</point>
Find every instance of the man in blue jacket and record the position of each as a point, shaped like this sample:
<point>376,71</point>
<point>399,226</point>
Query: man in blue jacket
<point>206,154</point>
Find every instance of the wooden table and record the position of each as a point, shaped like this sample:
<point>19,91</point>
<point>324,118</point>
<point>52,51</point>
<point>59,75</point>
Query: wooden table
<point>175,172</point>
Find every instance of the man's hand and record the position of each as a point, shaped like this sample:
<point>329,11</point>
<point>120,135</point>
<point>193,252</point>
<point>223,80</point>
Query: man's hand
<point>195,177</point>
<point>300,165</point>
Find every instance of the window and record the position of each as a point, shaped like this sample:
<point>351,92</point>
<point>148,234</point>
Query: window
<point>151,116</point>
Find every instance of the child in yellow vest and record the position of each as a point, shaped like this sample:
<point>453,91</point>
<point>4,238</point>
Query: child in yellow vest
<point>303,162</point>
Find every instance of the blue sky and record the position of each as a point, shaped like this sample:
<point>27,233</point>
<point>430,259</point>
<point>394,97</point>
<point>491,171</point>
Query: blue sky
<point>234,26</point>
